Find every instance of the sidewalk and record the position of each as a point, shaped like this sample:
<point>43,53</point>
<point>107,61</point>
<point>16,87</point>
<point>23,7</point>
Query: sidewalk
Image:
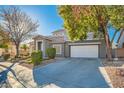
<point>18,76</point>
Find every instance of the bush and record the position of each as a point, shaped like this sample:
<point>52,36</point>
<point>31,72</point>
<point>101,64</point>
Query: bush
<point>51,53</point>
<point>36,57</point>
<point>6,56</point>
<point>3,46</point>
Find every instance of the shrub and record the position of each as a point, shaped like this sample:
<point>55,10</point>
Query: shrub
<point>51,53</point>
<point>36,57</point>
<point>6,56</point>
<point>3,46</point>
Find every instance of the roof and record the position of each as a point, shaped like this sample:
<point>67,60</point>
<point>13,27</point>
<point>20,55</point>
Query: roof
<point>41,36</point>
<point>31,43</point>
<point>57,39</point>
<point>121,34</point>
<point>85,41</point>
<point>59,30</point>
<point>54,39</point>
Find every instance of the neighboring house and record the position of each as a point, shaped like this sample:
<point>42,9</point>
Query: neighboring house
<point>89,48</point>
<point>118,52</point>
<point>120,40</point>
<point>11,47</point>
<point>31,47</point>
<point>90,36</point>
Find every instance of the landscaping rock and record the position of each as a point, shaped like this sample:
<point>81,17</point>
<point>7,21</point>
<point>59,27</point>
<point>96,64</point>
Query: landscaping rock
<point>120,71</point>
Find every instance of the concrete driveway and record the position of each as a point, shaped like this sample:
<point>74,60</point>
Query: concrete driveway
<point>71,73</point>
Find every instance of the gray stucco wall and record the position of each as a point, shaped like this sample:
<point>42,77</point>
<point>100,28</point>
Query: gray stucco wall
<point>46,45</point>
<point>45,42</point>
<point>102,47</point>
<point>67,50</point>
<point>62,49</point>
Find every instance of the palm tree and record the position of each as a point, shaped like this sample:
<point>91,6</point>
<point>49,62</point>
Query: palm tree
<point>24,46</point>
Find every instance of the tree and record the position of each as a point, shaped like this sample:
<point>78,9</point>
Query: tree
<point>79,20</point>
<point>4,39</point>
<point>18,24</point>
<point>24,46</point>
<point>116,18</point>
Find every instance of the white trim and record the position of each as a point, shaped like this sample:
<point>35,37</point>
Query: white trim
<point>91,43</point>
<point>106,76</point>
<point>59,46</point>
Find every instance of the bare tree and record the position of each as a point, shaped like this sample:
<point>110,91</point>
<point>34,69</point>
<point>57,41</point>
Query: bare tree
<point>18,24</point>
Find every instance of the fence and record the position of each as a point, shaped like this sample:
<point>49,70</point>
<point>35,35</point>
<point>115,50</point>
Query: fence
<point>118,53</point>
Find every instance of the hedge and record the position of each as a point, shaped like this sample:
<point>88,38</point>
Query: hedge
<point>36,57</point>
<point>51,53</point>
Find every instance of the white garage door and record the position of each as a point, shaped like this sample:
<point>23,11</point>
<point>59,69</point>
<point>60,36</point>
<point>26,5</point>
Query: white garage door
<point>87,51</point>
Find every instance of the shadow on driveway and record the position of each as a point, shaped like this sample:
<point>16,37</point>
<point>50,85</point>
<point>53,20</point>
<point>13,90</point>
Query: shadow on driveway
<point>4,75</point>
<point>71,73</point>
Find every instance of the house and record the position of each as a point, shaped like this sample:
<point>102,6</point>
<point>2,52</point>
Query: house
<point>89,48</point>
<point>120,40</point>
<point>118,52</point>
<point>11,50</point>
<point>11,46</point>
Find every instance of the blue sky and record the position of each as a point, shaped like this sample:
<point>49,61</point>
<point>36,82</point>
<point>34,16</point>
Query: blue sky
<point>111,31</point>
<point>48,18</point>
<point>46,15</point>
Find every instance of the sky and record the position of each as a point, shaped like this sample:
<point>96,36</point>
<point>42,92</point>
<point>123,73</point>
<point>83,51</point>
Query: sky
<point>49,19</point>
<point>111,31</point>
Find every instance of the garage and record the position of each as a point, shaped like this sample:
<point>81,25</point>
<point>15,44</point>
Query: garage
<point>86,51</point>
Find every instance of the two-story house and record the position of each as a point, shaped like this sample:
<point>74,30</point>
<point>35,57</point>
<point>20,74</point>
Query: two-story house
<point>89,48</point>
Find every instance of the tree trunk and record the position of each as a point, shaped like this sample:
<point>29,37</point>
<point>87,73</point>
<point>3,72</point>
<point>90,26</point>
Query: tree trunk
<point>103,25</point>
<point>108,46</point>
<point>17,50</point>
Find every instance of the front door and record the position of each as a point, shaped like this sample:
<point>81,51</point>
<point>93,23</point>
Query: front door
<point>39,45</point>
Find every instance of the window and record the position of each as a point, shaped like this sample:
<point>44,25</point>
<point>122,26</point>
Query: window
<point>58,48</point>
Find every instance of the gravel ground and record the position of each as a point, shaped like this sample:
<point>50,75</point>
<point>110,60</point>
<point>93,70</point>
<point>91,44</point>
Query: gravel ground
<point>111,69</point>
<point>117,80</point>
<point>45,62</point>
